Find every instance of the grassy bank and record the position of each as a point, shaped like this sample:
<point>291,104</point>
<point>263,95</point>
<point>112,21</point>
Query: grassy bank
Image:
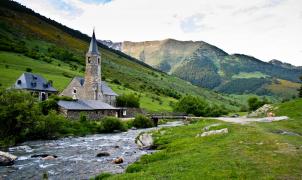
<point>253,151</point>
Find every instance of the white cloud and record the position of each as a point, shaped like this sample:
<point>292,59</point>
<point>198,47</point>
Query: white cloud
<point>266,29</point>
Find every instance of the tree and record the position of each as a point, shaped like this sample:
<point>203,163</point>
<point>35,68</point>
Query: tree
<point>18,113</point>
<point>254,103</point>
<point>300,90</point>
<point>191,105</point>
<point>127,100</point>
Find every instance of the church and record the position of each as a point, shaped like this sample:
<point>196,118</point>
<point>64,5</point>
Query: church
<point>90,94</point>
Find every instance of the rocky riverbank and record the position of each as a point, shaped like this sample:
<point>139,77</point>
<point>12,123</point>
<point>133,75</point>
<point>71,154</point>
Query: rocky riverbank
<point>76,158</point>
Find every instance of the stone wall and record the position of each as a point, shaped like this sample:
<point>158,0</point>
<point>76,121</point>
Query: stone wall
<point>92,115</point>
<point>132,112</point>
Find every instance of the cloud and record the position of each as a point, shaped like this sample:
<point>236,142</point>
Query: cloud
<point>193,23</point>
<point>266,29</point>
<point>96,1</point>
<point>263,5</point>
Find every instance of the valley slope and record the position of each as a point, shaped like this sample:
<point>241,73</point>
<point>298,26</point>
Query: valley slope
<point>29,41</point>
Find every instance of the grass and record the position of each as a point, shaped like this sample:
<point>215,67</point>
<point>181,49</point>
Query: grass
<point>253,151</point>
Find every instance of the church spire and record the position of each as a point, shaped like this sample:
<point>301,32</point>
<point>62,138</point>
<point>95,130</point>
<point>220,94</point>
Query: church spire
<point>93,47</point>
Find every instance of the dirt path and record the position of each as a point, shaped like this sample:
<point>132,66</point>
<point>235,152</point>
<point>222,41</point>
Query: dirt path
<point>245,120</point>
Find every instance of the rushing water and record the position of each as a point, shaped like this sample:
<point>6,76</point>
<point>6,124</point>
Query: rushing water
<point>76,157</point>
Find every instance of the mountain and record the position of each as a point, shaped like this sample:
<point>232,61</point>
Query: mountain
<point>208,66</point>
<point>32,42</point>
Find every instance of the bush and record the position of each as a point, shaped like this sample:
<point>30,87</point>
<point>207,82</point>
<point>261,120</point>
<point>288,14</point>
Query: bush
<point>191,105</point>
<point>102,176</point>
<point>254,103</point>
<point>47,127</point>
<point>127,100</point>
<point>48,105</point>
<point>141,121</point>
<point>116,81</point>
<point>28,70</point>
<point>198,107</point>
<point>109,124</point>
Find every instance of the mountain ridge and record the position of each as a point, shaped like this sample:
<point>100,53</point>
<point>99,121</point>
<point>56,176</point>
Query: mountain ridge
<point>209,66</point>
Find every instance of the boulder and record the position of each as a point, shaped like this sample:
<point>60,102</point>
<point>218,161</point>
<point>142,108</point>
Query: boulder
<point>264,111</point>
<point>213,132</point>
<point>145,141</point>
<point>211,125</point>
<point>7,159</point>
<point>118,160</point>
<point>102,154</point>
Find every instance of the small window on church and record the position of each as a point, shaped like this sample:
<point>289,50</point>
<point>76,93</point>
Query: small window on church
<point>74,90</point>
<point>88,59</point>
<point>19,81</point>
<point>98,60</point>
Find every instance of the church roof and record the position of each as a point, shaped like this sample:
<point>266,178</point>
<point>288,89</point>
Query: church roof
<point>85,105</point>
<point>32,81</point>
<point>93,47</point>
<point>105,89</point>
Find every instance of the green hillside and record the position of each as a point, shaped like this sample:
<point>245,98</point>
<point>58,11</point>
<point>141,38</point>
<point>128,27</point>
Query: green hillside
<point>33,42</point>
<point>252,151</point>
<point>208,66</point>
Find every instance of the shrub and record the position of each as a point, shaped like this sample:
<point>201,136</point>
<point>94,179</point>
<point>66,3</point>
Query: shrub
<point>102,176</point>
<point>127,100</point>
<point>109,124</point>
<point>48,126</point>
<point>198,107</point>
<point>116,81</point>
<point>191,105</point>
<point>254,103</point>
<point>136,167</point>
<point>28,70</point>
<point>141,121</point>
<point>48,105</point>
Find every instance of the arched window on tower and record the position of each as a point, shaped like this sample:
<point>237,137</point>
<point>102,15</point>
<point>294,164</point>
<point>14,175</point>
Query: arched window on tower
<point>98,60</point>
<point>88,60</point>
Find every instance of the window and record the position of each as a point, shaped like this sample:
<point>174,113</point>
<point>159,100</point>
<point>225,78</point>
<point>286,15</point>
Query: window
<point>88,59</point>
<point>98,60</point>
<point>19,81</point>
<point>74,90</point>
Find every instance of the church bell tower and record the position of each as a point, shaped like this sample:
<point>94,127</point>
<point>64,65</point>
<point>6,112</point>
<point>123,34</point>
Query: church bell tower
<point>92,83</point>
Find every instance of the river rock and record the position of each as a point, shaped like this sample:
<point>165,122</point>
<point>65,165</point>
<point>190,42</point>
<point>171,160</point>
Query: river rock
<point>49,157</point>
<point>43,156</point>
<point>118,160</point>
<point>145,141</point>
<point>102,154</point>
<point>7,159</point>
<point>213,132</point>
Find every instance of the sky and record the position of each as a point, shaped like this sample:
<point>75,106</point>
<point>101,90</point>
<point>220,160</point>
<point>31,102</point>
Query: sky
<point>265,29</point>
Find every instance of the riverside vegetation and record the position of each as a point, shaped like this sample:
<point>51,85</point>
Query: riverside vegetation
<point>22,118</point>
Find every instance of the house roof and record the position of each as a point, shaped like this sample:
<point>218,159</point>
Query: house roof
<point>93,47</point>
<point>85,105</point>
<point>32,81</point>
<point>104,87</point>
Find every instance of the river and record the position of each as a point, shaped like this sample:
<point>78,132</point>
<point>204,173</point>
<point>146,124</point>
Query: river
<point>76,156</point>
